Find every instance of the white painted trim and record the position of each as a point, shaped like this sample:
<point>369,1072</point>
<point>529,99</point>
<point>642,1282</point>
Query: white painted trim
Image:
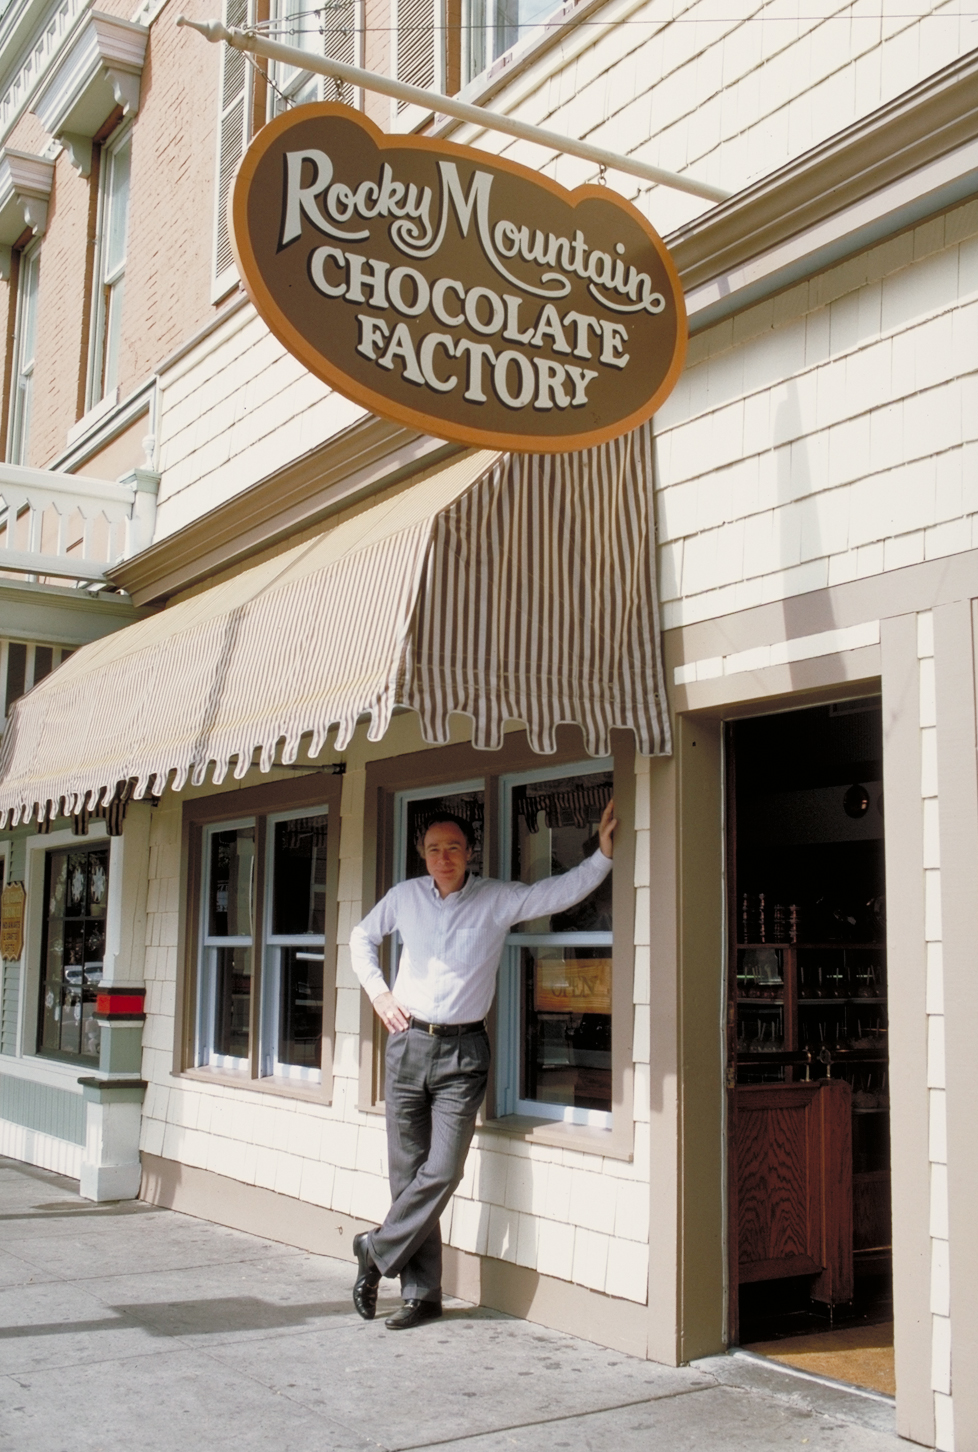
<point>940,184</point>
<point>98,68</point>
<point>101,424</point>
<point>204,1013</point>
<point>53,1073</point>
<point>42,25</point>
<point>563,27</point>
<point>25,189</point>
<point>784,652</point>
<point>486,120</point>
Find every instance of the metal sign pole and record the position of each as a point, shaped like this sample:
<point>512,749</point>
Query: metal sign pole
<point>448,106</point>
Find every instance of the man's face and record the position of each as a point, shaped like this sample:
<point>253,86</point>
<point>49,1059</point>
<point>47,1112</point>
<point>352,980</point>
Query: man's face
<point>447,856</point>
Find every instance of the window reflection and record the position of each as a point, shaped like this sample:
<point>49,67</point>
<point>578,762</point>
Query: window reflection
<point>232,1007</point>
<point>227,960</point>
<point>76,896</point>
<point>231,883</point>
<point>299,876</point>
<point>555,828</point>
<point>298,910</point>
<point>300,1018</point>
<point>564,982</point>
<point>492,26</point>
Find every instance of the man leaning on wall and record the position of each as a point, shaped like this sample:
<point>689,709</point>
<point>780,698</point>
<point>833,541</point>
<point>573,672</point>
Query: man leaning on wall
<point>453,928</point>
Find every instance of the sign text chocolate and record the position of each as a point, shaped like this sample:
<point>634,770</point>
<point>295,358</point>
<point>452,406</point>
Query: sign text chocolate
<point>453,291</point>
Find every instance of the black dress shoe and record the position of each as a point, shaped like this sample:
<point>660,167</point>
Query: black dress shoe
<point>368,1278</point>
<point>412,1313</point>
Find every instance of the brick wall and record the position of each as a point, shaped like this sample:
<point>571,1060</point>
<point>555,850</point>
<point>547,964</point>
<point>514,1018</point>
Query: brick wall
<point>171,221</point>
<point>168,272</point>
<point>61,360</point>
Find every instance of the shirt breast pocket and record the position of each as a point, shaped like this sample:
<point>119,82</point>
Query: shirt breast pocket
<point>467,944</point>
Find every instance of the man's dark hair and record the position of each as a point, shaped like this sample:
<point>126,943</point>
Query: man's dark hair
<point>448,819</point>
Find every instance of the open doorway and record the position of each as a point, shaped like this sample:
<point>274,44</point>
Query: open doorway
<point>807,1052</point>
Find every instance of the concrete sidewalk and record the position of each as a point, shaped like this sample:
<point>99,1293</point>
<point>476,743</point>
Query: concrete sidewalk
<point>124,1328</point>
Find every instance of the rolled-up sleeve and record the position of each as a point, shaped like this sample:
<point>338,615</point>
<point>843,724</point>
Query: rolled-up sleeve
<point>366,938</point>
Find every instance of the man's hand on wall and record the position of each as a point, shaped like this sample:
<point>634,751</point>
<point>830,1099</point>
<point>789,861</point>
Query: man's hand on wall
<point>606,829</point>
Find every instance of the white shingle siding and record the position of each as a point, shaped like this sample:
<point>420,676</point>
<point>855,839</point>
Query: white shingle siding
<point>811,442</point>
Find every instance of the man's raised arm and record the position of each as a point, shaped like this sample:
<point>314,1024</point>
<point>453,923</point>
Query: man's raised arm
<point>556,894</point>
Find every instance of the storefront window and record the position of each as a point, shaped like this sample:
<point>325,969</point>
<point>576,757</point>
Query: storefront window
<point>227,946</point>
<point>295,945</point>
<point>285,935</point>
<point>555,993</point>
<point>76,894</point>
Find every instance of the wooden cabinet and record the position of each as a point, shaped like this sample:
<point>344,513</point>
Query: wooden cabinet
<point>793,1185</point>
<point>815,1012</point>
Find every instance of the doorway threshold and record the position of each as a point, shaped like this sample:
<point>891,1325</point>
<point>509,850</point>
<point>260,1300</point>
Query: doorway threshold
<point>788,1369</point>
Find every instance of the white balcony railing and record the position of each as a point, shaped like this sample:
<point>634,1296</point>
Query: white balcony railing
<point>69,527</point>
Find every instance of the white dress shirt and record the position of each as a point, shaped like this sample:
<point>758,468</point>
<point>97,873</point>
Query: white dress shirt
<point>451,946</point>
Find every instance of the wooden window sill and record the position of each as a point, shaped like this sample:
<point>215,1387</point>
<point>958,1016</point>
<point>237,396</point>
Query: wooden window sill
<point>236,1079</point>
<point>555,1132</point>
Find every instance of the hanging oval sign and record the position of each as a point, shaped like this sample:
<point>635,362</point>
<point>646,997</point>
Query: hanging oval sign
<point>455,291</point>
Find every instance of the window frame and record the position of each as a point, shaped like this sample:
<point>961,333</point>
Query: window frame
<point>274,942</point>
<point>289,82</point>
<point>45,1068</point>
<point>508,995</point>
<point>312,793</point>
<point>87,845</point>
<point>108,293</point>
<point>432,769</point>
<point>486,32</point>
<point>213,942</point>
<point>21,401</point>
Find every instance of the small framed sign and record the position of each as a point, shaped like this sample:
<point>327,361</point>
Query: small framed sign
<point>455,291</point>
<point>12,901</point>
<point>572,985</point>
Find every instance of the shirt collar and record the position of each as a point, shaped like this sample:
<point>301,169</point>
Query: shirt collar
<point>457,896</point>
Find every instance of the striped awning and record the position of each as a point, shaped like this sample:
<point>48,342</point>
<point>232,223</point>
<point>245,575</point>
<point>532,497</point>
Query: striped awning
<point>511,587</point>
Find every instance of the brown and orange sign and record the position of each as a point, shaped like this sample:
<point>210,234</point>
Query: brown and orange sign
<point>454,291</point>
<point>572,985</point>
<point>12,901</point>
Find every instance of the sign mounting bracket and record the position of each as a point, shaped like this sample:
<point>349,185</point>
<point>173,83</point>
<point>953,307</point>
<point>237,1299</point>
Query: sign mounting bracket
<point>291,55</point>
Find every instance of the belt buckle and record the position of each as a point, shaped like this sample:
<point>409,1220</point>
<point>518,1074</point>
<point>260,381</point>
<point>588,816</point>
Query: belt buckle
<point>433,1030</point>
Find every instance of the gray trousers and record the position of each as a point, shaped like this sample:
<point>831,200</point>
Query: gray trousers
<point>434,1087</point>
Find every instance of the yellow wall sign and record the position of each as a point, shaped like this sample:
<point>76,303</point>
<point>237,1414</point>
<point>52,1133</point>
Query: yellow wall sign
<point>12,901</point>
<point>455,291</point>
<point>572,985</point>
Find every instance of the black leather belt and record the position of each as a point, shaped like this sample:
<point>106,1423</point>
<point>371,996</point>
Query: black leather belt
<point>444,1030</point>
